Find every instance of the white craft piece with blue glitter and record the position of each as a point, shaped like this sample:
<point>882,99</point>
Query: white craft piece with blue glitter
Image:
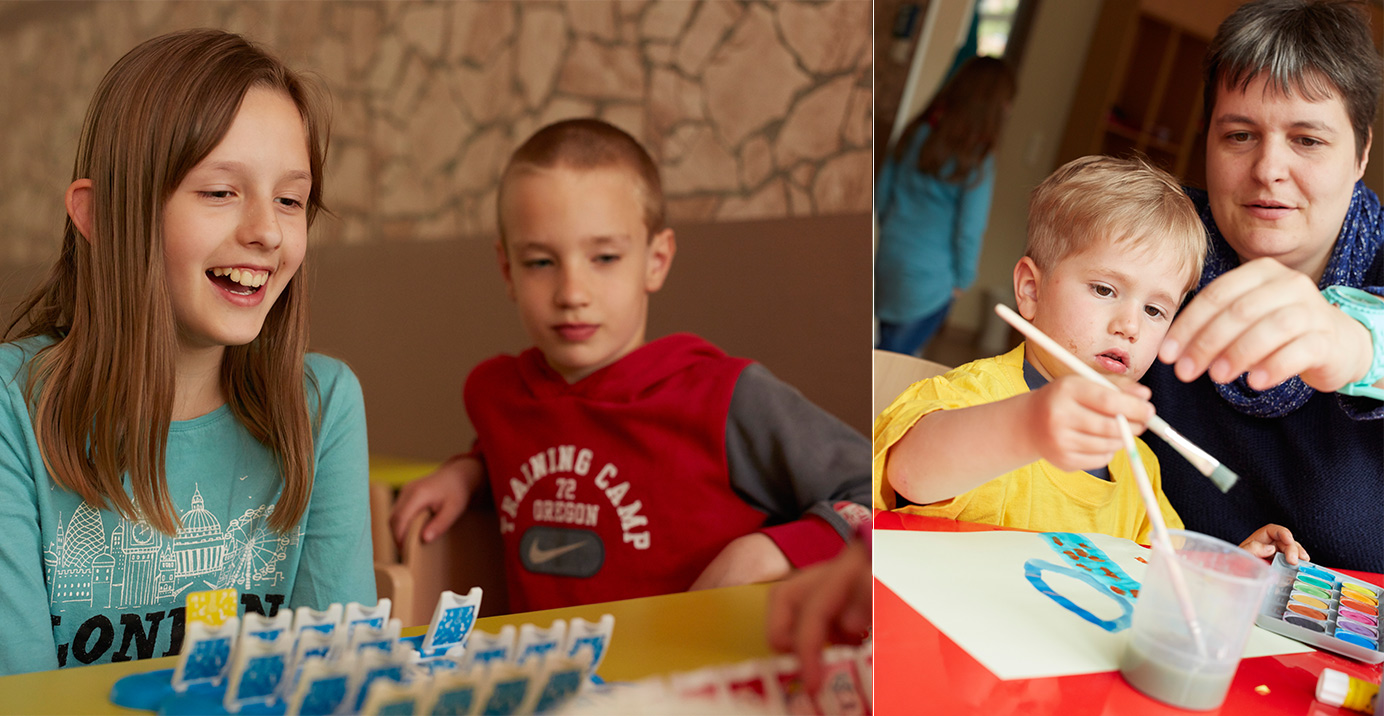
<point>591,636</point>
<point>486,648</point>
<point>374,664</point>
<point>263,627</point>
<point>384,697</point>
<point>313,644</point>
<point>257,670</point>
<point>325,621</point>
<point>270,666</point>
<point>356,614</point>
<point>536,642</point>
<point>510,687</point>
<point>452,620</point>
<point>560,680</point>
<point>364,636</point>
<point>456,692</point>
<point>452,659</point>
<point>324,687</point>
<point>206,653</point>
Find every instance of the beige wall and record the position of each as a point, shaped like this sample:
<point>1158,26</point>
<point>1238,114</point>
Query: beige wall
<point>753,110</point>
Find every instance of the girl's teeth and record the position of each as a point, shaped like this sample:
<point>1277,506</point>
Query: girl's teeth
<point>245,277</point>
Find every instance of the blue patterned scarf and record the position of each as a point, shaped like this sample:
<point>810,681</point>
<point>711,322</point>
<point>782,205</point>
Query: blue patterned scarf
<point>1355,251</point>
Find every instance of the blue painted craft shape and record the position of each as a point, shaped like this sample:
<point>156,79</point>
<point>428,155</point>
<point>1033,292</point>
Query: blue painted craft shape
<point>1089,564</point>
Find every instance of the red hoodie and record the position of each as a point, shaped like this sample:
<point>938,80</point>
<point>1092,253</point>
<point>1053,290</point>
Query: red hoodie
<point>616,486</point>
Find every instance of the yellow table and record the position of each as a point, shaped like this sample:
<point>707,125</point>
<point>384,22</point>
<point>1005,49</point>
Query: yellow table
<point>397,472</point>
<point>653,635</point>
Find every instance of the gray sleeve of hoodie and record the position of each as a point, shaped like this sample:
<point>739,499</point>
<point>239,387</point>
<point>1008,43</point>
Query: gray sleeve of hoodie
<point>790,458</point>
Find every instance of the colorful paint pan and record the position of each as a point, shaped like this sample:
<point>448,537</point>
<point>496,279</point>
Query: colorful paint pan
<point>1359,618</point>
<point>1363,592</point>
<point>1321,574</point>
<point>1304,622</point>
<point>1308,612</point>
<point>1360,598</point>
<point>1318,593</point>
<point>1315,582</point>
<point>1355,628</point>
<point>1323,608</point>
<point>1361,607</point>
<point>1310,601</point>
<point>1358,640</point>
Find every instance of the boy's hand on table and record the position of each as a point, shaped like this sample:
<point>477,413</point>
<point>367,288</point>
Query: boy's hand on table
<point>748,559</point>
<point>444,492</point>
<point>1272,322</point>
<point>1274,538</point>
<point>830,601</point>
<point>1073,420</point>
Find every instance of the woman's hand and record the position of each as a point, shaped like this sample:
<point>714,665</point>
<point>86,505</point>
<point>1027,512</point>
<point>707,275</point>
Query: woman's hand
<point>1270,321</point>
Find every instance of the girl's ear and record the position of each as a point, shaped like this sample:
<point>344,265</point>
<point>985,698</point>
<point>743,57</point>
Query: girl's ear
<point>1026,278</point>
<point>78,201</point>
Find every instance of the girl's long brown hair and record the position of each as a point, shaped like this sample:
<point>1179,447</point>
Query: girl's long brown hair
<point>966,116</point>
<point>101,395</point>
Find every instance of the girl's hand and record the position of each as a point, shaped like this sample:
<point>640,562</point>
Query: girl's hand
<point>1270,321</point>
<point>1073,422</point>
<point>1274,538</point>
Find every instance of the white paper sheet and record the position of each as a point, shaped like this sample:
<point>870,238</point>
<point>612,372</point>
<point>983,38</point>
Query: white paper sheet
<point>971,586</point>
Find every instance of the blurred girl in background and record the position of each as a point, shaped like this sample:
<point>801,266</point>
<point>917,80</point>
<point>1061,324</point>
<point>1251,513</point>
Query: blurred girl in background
<point>932,199</point>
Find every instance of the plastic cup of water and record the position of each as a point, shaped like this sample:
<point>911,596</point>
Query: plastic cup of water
<point>1225,585</point>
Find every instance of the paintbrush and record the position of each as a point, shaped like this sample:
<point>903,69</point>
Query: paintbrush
<point>1209,466</point>
<point>1161,541</point>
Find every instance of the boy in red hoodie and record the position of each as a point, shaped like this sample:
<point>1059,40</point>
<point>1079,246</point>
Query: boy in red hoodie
<point>623,468</point>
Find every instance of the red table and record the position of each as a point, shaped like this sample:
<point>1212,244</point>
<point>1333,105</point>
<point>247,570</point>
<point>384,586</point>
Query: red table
<point>918,670</point>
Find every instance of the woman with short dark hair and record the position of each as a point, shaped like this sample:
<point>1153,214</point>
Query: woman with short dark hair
<point>1276,365</point>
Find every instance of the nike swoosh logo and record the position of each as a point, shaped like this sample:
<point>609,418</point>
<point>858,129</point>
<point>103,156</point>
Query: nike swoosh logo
<point>539,556</point>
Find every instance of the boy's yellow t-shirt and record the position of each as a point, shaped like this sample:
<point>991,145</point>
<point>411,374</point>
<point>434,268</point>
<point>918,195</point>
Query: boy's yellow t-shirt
<point>1037,496</point>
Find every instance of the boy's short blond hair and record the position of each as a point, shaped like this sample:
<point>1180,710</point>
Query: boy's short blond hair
<point>586,144</point>
<point>1124,200</point>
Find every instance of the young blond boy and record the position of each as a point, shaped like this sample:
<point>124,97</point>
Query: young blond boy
<point>1018,440</point>
<point>623,468</point>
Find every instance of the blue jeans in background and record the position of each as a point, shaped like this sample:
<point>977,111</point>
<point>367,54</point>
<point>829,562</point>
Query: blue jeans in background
<point>910,338</point>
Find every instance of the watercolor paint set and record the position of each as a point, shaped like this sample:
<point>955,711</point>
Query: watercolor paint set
<point>1323,608</point>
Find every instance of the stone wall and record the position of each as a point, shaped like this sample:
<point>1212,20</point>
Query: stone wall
<point>754,108</point>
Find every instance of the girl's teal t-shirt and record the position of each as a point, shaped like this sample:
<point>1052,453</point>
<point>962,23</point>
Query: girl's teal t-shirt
<point>79,585</point>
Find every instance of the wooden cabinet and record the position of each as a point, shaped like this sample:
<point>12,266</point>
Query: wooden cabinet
<point>1141,90</point>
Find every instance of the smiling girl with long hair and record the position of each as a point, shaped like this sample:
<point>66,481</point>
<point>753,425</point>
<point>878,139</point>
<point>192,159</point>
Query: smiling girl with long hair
<point>162,427</point>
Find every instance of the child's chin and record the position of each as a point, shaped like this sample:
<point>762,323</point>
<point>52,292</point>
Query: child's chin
<point>1130,376</point>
